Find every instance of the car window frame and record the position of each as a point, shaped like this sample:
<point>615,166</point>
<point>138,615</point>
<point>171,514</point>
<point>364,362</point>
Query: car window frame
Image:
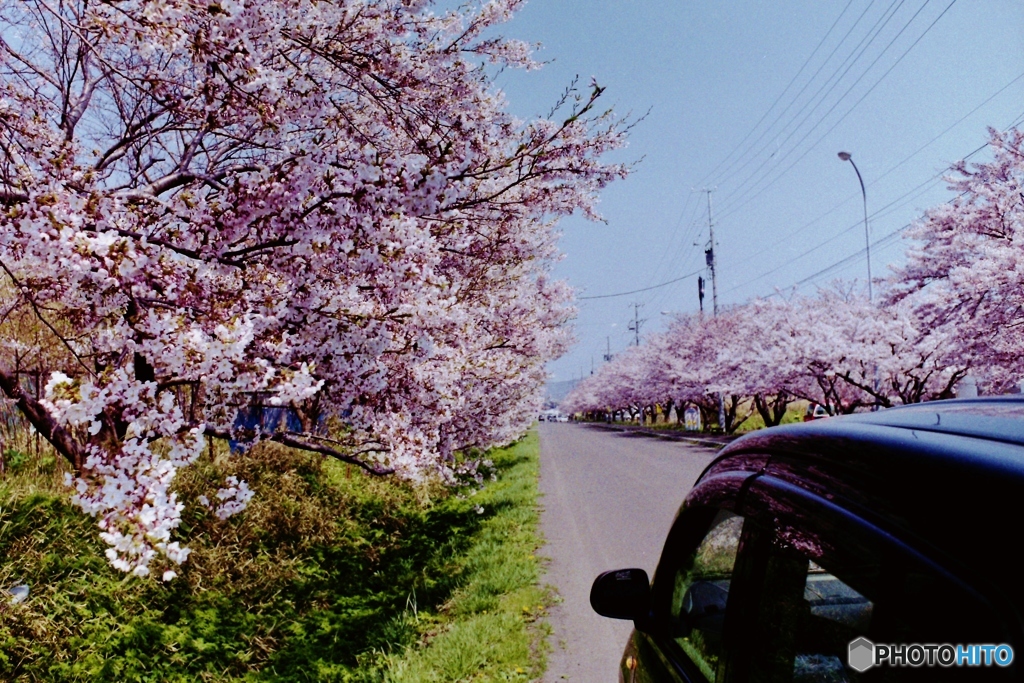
<point>720,487</point>
<point>687,533</point>
<point>691,528</point>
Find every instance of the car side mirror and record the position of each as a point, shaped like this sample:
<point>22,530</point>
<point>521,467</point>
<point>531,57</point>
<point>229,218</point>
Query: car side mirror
<point>623,594</point>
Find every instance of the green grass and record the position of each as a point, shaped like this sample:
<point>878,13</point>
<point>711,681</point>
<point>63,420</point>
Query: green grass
<point>794,413</point>
<point>329,575</point>
<point>491,631</point>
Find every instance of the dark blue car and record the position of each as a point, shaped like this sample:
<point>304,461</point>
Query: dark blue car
<point>882,546</point>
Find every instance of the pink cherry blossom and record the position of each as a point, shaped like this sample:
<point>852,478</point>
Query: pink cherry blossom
<point>316,206</point>
<point>965,266</point>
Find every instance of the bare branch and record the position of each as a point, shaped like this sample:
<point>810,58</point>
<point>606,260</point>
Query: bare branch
<point>294,441</point>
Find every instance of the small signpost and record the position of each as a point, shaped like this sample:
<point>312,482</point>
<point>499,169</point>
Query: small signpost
<point>691,419</point>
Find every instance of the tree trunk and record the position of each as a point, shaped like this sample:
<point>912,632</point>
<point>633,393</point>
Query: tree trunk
<point>772,409</point>
<point>58,437</point>
<point>732,409</point>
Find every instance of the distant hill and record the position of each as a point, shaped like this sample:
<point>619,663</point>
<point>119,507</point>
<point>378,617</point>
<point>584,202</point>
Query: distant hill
<point>556,391</point>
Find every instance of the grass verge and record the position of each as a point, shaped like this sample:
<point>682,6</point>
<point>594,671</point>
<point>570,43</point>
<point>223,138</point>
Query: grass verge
<point>330,575</point>
<point>490,629</point>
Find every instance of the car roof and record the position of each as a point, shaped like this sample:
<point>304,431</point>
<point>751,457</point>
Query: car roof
<point>947,474</point>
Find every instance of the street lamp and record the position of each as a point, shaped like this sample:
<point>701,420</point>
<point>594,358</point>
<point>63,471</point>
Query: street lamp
<point>846,156</point>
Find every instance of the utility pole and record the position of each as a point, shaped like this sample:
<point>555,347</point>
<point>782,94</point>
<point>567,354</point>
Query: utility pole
<point>608,353</point>
<point>637,322</point>
<point>709,255</point>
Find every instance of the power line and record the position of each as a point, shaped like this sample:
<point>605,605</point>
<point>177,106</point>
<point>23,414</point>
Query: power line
<point>749,181</point>
<point>888,208</point>
<point>689,240</point>
<point>751,156</point>
<point>872,34</point>
<point>901,163</point>
<point>733,208</point>
<point>876,214</point>
<point>654,297</point>
<point>834,79</point>
<point>849,259</point>
<point>879,213</point>
<point>644,289</point>
<point>768,111</point>
<point>672,253</point>
<point>880,242</point>
<point>687,236</point>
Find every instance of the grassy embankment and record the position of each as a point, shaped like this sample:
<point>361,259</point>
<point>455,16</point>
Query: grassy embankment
<point>330,575</point>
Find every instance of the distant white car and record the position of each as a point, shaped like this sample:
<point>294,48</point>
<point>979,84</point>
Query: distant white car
<point>562,418</point>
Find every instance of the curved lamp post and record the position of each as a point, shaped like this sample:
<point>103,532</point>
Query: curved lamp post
<point>846,156</point>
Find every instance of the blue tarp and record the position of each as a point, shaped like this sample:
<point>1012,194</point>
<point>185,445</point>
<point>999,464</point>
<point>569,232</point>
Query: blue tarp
<point>267,419</point>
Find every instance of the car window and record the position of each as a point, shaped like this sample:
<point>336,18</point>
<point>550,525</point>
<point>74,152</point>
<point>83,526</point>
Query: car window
<point>816,596</point>
<point>836,615</point>
<point>700,593</point>
<point>814,615</point>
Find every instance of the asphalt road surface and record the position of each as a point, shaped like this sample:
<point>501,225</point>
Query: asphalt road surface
<point>609,499</point>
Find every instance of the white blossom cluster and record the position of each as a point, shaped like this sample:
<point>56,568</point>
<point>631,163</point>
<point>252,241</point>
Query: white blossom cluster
<point>233,498</point>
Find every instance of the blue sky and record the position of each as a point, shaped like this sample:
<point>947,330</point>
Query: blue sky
<point>755,99</point>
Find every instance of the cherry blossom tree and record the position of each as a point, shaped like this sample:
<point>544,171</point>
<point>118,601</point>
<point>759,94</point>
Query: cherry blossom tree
<point>758,358</point>
<point>965,268</point>
<point>834,348</point>
<point>701,366</point>
<point>319,206</point>
<point>813,349</point>
<point>891,354</point>
<point>838,349</point>
<point>684,365</point>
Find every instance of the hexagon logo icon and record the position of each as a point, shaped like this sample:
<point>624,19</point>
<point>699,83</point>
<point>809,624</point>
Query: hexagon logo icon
<point>861,655</point>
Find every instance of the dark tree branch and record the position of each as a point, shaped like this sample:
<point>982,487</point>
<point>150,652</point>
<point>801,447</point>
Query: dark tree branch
<point>298,441</point>
<point>44,423</point>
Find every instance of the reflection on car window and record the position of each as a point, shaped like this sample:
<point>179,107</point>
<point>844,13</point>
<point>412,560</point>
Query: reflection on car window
<point>809,614</point>
<point>700,592</point>
<point>834,614</point>
<point>832,600</point>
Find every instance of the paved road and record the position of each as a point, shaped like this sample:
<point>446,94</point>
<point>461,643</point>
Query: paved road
<point>609,499</point>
